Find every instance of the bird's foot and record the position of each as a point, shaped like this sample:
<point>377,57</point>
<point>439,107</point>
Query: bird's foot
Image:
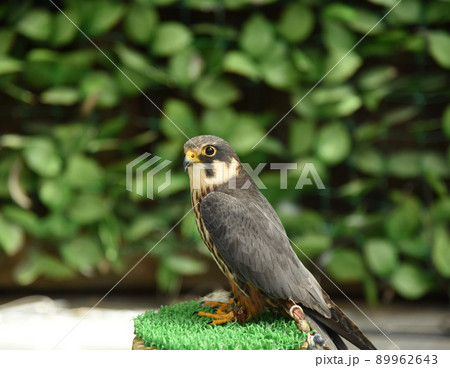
<point>218,318</point>
<point>218,305</point>
<point>223,312</point>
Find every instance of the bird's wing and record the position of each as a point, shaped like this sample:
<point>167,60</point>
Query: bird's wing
<point>251,240</point>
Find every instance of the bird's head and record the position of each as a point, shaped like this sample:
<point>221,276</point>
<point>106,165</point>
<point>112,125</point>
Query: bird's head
<point>208,149</point>
<point>212,156</point>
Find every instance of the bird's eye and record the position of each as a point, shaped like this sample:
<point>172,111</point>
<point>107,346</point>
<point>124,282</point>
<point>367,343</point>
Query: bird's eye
<point>209,151</point>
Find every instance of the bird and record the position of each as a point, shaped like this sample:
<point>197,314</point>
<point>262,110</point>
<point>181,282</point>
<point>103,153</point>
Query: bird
<point>250,246</point>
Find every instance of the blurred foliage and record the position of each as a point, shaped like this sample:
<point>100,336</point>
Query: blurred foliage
<point>376,129</point>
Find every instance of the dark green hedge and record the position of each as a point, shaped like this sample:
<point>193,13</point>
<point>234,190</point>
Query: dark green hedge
<point>376,128</point>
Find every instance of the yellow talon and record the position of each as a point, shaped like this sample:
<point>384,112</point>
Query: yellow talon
<point>218,318</point>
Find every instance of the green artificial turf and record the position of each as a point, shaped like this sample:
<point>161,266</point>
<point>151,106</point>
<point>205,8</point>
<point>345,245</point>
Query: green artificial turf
<point>178,328</point>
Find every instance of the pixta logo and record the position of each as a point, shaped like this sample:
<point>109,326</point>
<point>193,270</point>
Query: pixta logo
<point>150,166</point>
<point>141,173</point>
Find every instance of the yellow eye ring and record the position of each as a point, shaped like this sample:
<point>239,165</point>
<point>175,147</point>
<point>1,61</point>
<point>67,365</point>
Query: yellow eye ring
<point>209,151</point>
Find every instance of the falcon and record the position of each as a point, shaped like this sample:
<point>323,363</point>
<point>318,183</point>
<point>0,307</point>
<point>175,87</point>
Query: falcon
<point>249,244</point>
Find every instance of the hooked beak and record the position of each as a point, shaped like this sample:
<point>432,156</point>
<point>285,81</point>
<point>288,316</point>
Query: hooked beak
<point>190,158</point>
<point>187,162</point>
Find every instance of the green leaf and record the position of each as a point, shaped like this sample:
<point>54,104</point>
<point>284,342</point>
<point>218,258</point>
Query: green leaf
<point>339,11</point>
<point>53,268</point>
<point>376,77</point>
<point>127,88</point>
<point>245,134</point>
<point>308,221</point>
<point>139,64</point>
<point>365,20</point>
<point>404,164</point>
<point>417,247</point>
<point>101,16</point>
<point>239,63</point>
<point>73,137</point>
<point>63,31</point>
<point>87,209</point>
<point>215,93</point>
<point>357,19</point>
<point>110,236</point>
<point>42,157</point>
<point>436,12</point>
<point>27,271</point>
<point>279,73</point>
<point>439,46</point>
<point>24,218</point>
<point>346,265</point>
<point>9,65</point>
<point>186,66</point>
<point>143,226</point>
<point>333,143</point>
<point>181,114</point>
<point>301,137</point>
<point>257,36</point>
<point>411,281</point>
<point>357,187</point>
<point>170,38</point>
<point>39,264</point>
<point>400,115</point>
<point>302,61</point>
<point>327,102</point>
<point>55,194</point>
<point>440,210</point>
<point>312,245</point>
<point>11,237</point>
<point>407,13</point>
<point>57,226</point>
<point>36,25</point>
<point>62,95</point>
<point>381,256</point>
<point>441,251</point>
<point>46,68</point>
<point>183,265</point>
<point>140,23</point>
<point>296,22</point>
<point>102,86</point>
<point>402,222</point>
<point>369,161</point>
<point>337,38</point>
<point>219,122</point>
<point>83,172</point>
<point>343,69</point>
<point>435,164</point>
<point>113,127</point>
<point>82,253</point>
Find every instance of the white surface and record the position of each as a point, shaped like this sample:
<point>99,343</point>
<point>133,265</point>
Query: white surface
<point>38,322</point>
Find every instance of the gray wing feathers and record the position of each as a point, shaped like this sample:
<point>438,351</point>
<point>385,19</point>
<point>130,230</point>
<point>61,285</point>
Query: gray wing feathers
<point>255,247</point>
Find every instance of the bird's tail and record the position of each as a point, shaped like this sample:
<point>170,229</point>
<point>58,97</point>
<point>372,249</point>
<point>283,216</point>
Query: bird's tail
<point>341,324</point>
<point>331,339</point>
